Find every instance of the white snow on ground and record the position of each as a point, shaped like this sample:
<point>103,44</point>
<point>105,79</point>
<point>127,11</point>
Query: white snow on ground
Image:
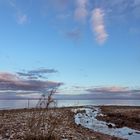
<point>88,120</point>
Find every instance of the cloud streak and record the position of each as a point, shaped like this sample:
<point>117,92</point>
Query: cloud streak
<point>37,73</point>
<point>114,92</point>
<point>21,17</point>
<point>81,11</point>
<point>74,34</point>
<point>98,26</point>
<point>113,89</point>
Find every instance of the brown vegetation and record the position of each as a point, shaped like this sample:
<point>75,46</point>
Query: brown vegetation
<point>122,116</point>
<point>60,126</point>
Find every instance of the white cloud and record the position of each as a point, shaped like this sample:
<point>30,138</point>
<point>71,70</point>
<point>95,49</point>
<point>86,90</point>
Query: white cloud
<point>81,11</point>
<point>98,26</point>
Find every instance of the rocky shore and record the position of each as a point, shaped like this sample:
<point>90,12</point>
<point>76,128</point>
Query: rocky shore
<point>45,124</point>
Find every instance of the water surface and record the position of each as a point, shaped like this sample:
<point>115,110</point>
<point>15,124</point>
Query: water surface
<point>24,103</point>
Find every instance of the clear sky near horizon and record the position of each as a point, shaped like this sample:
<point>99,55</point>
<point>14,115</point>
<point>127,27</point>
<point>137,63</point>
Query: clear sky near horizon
<point>90,46</point>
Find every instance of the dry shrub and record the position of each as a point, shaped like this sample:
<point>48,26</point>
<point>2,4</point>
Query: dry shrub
<point>41,121</point>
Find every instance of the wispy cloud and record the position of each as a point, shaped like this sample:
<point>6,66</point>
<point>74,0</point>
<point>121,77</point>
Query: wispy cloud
<point>106,92</point>
<point>37,73</point>
<point>42,71</point>
<point>121,10</point>
<point>112,89</point>
<point>98,26</point>
<point>58,4</point>
<point>21,17</point>
<point>114,92</point>
<point>81,11</point>
<point>74,34</point>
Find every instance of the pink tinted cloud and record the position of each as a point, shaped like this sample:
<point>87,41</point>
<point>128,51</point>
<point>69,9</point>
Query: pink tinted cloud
<point>4,76</point>
<point>10,81</point>
<point>112,89</point>
<point>98,26</point>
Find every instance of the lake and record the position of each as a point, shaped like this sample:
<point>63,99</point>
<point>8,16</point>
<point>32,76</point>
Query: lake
<point>24,103</point>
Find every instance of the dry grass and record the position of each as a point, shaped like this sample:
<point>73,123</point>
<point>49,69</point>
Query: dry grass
<point>40,137</point>
<point>40,123</point>
<point>60,126</point>
<point>122,116</point>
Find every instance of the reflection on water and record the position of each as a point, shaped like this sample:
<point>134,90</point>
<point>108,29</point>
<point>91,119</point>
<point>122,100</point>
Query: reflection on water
<point>98,102</point>
<point>60,103</point>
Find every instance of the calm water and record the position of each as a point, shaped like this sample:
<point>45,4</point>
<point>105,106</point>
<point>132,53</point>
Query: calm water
<point>5,104</point>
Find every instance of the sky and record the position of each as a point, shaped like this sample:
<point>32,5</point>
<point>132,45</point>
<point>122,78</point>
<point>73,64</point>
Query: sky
<point>88,48</point>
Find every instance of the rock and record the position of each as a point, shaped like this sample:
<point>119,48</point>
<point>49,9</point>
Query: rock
<point>79,125</point>
<point>12,136</point>
<point>86,114</point>
<point>137,132</point>
<point>109,125</point>
<point>130,133</point>
<point>7,135</point>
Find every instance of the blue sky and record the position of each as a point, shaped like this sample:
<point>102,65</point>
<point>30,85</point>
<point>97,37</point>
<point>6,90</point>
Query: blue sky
<point>90,43</point>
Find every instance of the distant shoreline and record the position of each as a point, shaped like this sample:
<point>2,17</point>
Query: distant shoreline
<point>71,107</point>
<point>72,99</point>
